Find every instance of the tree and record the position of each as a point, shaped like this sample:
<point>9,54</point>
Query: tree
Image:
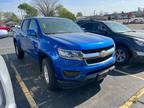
<point>28,9</point>
<point>47,7</point>
<point>63,12</point>
<point>79,14</point>
<point>10,16</point>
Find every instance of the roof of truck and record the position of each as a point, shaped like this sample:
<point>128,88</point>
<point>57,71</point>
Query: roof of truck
<point>45,17</point>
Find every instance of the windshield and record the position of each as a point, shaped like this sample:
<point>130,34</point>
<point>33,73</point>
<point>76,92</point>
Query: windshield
<point>117,27</point>
<point>58,25</point>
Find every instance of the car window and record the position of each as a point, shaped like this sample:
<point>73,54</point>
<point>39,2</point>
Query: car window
<point>25,25</point>
<point>33,26</point>
<point>88,27</point>
<point>96,26</point>
<point>99,28</point>
<point>57,26</point>
<point>102,27</point>
<point>117,27</point>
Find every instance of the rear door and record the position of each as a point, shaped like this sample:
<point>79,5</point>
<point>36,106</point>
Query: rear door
<point>23,34</point>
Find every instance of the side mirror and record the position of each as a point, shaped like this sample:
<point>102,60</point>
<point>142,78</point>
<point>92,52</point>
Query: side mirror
<point>31,33</point>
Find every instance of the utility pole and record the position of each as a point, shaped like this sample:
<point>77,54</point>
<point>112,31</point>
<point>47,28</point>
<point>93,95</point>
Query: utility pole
<point>94,12</point>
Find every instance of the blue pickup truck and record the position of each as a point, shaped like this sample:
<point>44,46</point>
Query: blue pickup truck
<point>67,55</point>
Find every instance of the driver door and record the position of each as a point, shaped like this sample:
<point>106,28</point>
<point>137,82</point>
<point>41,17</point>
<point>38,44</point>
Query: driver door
<point>32,41</point>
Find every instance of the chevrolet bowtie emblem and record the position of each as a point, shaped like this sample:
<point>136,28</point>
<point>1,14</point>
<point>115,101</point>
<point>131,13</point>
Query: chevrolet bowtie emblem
<point>103,53</point>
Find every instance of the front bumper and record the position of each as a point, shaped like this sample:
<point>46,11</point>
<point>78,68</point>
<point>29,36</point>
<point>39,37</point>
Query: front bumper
<point>137,54</point>
<point>91,78</point>
<point>86,72</point>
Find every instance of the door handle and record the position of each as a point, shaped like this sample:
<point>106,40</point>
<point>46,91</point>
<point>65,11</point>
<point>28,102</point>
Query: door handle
<point>35,44</point>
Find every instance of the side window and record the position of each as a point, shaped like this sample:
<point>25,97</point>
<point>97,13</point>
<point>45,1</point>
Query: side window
<point>88,27</point>
<point>96,25</point>
<point>33,26</point>
<point>100,28</point>
<point>25,25</point>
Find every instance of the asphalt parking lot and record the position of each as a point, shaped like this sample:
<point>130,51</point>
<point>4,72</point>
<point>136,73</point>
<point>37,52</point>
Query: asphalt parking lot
<point>119,86</point>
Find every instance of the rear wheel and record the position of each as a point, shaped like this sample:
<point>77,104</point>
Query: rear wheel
<point>122,55</point>
<point>48,74</point>
<point>19,52</point>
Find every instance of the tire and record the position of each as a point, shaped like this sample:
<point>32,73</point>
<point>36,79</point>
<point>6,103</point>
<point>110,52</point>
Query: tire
<point>49,74</point>
<point>122,55</point>
<point>100,81</point>
<point>19,52</point>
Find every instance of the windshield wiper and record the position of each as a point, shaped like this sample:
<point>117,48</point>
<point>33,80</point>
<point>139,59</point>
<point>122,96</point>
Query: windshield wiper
<point>50,33</point>
<point>131,31</point>
<point>127,31</point>
<point>59,33</point>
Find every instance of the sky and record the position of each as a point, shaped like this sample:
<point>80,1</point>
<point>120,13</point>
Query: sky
<point>87,7</point>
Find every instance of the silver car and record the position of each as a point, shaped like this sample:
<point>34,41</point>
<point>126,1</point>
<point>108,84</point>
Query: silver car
<point>3,33</point>
<point>7,99</point>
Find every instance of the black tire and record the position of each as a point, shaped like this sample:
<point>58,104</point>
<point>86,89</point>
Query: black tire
<point>100,81</point>
<point>123,54</point>
<point>19,52</point>
<point>51,82</point>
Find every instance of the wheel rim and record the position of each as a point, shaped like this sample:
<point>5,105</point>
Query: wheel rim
<point>46,76</point>
<point>120,55</point>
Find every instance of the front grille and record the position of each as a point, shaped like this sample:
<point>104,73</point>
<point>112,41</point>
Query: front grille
<point>97,60</point>
<point>97,50</point>
<point>98,55</point>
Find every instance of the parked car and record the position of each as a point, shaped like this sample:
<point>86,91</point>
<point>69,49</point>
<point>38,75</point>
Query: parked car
<point>129,43</point>
<point>2,27</point>
<point>7,99</point>
<point>67,56</point>
<point>3,33</point>
<point>136,21</point>
<point>14,30</point>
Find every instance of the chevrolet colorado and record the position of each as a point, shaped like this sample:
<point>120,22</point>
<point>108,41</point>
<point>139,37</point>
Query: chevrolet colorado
<point>67,55</point>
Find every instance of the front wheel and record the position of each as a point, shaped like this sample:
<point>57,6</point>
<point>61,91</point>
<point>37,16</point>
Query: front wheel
<point>122,55</point>
<point>48,74</point>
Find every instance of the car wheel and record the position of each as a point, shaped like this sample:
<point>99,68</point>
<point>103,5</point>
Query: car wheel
<point>48,74</point>
<point>19,52</point>
<point>100,81</point>
<point>122,55</point>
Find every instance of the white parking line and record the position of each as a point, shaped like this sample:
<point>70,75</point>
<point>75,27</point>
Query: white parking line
<point>134,76</point>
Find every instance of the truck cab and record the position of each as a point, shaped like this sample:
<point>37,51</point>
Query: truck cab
<point>67,55</point>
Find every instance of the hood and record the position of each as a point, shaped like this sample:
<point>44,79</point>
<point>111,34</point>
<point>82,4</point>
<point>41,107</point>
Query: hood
<point>83,40</point>
<point>135,34</point>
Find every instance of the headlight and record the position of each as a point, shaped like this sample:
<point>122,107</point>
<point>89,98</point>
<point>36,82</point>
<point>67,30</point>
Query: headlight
<point>139,41</point>
<point>70,54</point>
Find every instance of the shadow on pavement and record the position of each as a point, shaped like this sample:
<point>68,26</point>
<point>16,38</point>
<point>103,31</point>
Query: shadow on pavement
<point>29,71</point>
<point>130,69</point>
